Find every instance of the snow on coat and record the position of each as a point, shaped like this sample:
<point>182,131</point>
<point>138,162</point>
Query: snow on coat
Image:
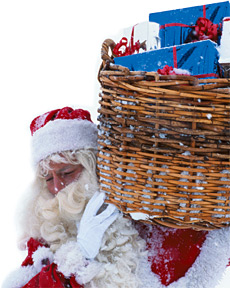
<point>177,258</point>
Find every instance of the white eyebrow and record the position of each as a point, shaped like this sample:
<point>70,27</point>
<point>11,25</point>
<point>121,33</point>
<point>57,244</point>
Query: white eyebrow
<point>71,166</point>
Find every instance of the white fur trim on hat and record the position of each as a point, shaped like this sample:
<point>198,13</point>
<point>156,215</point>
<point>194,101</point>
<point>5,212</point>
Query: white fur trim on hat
<point>62,135</point>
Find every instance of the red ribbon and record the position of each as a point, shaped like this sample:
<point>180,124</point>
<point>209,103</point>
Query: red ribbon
<point>127,49</point>
<point>204,11</point>
<point>167,70</point>
<point>205,29</point>
<point>208,75</point>
<point>174,57</point>
<point>174,24</point>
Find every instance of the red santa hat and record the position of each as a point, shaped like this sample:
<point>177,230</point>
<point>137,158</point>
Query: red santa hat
<point>62,130</point>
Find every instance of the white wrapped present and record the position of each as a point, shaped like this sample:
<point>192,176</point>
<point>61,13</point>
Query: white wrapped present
<point>144,31</point>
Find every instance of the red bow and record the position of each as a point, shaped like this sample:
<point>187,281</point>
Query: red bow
<point>127,49</point>
<point>205,29</point>
<point>167,70</point>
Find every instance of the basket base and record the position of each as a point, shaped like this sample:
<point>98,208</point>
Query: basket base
<point>170,223</point>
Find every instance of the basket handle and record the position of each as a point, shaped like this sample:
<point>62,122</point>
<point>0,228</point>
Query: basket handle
<point>107,45</point>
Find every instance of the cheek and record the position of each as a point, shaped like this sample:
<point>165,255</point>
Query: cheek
<point>73,177</point>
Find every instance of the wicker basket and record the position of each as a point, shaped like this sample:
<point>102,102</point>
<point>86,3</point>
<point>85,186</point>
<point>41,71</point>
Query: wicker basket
<point>164,146</point>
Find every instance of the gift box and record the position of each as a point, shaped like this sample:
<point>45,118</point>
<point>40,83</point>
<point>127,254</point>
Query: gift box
<point>224,48</point>
<point>144,31</point>
<point>139,38</point>
<point>191,24</point>
<point>199,58</point>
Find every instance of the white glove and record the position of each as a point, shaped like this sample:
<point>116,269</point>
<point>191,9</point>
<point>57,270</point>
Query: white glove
<point>92,226</point>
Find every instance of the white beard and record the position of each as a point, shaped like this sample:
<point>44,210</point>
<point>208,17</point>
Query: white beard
<point>54,218</point>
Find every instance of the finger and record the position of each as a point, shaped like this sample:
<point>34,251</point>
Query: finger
<point>110,209</point>
<point>109,220</point>
<point>94,204</point>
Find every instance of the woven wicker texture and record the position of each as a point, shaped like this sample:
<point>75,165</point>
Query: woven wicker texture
<point>164,146</point>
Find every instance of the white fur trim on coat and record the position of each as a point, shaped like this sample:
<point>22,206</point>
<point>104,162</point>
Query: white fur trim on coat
<point>20,277</point>
<point>63,135</point>
<point>71,261</point>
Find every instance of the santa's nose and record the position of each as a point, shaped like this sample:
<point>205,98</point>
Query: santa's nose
<point>58,183</point>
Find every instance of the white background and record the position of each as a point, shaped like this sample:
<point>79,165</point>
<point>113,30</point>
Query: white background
<point>49,58</point>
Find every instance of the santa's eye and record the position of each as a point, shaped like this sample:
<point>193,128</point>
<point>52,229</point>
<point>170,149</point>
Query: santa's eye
<point>48,179</point>
<point>68,173</point>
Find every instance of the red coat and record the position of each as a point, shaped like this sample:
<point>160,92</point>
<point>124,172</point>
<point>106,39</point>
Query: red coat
<point>172,253</point>
<point>49,277</point>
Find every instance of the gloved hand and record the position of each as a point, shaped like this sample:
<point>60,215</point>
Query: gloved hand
<point>93,226</point>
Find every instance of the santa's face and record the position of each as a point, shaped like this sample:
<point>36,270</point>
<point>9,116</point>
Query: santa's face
<point>61,175</point>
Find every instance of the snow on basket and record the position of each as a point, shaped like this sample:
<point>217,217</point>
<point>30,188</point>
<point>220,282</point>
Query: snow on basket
<point>164,146</point>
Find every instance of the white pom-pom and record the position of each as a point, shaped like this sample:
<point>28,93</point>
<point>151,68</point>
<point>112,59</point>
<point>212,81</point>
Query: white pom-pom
<point>42,257</point>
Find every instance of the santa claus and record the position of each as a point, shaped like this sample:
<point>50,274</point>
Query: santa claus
<point>75,240</point>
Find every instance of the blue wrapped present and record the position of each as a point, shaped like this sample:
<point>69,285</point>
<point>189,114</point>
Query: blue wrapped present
<point>176,26</point>
<point>199,58</point>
